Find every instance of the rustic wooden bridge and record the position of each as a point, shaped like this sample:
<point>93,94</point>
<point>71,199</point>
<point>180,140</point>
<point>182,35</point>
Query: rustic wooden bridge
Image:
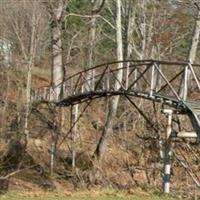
<point>173,84</point>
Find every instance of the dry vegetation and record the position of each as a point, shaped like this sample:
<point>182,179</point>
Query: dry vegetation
<point>108,194</point>
<point>132,159</point>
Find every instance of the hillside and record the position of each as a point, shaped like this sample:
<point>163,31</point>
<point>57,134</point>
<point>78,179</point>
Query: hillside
<point>112,132</point>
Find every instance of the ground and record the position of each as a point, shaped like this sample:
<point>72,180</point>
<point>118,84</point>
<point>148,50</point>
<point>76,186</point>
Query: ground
<point>87,195</point>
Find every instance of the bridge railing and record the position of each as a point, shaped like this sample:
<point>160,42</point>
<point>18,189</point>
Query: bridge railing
<point>149,77</point>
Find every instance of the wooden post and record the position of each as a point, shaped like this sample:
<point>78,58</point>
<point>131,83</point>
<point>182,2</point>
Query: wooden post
<point>53,142</point>
<point>168,152</point>
<point>127,74</point>
<point>152,87</point>
<point>184,134</point>
<point>74,118</point>
<point>135,78</point>
<point>185,86</point>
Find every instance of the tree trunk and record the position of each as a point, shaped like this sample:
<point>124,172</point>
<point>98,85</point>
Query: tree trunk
<point>129,28</point>
<point>3,118</point>
<point>191,56</point>
<point>97,5</point>
<point>102,146</point>
<point>195,39</point>
<point>57,68</point>
<point>32,53</point>
<point>57,61</point>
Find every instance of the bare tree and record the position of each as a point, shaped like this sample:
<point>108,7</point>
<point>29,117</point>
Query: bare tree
<point>24,27</point>
<point>97,6</point>
<point>195,37</point>
<point>29,73</point>
<point>113,104</point>
<point>30,21</point>
<point>129,29</point>
<point>16,26</point>
<point>191,54</point>
<point>128,47</point>
<point>56,11</point>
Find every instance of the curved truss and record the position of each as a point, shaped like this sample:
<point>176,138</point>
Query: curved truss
<point>159,81</point>
<point>175,84</point>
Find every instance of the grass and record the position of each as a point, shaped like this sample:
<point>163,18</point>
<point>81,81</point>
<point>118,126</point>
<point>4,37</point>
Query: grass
<point>89,195</point>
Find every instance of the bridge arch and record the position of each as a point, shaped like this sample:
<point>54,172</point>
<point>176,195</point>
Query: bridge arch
<point>157,81</point>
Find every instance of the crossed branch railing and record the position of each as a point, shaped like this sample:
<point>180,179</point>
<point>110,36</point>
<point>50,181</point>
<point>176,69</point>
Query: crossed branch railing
<point>169,82</point>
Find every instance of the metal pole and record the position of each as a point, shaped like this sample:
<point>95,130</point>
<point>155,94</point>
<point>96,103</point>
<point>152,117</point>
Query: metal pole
<point>168,152</point>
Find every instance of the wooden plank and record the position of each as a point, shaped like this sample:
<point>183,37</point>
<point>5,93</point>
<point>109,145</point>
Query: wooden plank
<point>184,134</point>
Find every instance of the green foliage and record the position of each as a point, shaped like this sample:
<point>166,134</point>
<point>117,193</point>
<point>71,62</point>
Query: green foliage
<point>79,6</point>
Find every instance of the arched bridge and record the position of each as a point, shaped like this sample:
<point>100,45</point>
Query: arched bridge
<point>175,84</point>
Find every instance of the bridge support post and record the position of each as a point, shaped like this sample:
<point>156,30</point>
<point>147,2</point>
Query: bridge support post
<point>167,152</point>
<point>74,118</point>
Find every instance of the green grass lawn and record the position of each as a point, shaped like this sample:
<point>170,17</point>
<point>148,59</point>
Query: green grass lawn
<point>110,195</point>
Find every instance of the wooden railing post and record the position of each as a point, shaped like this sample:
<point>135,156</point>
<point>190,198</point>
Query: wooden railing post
<point>185,84</point>
<point>152,87</point>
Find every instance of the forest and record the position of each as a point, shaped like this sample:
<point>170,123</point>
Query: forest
<point>98,94</point>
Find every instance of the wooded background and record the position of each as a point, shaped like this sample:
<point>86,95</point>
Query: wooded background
<point>44,41</point>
